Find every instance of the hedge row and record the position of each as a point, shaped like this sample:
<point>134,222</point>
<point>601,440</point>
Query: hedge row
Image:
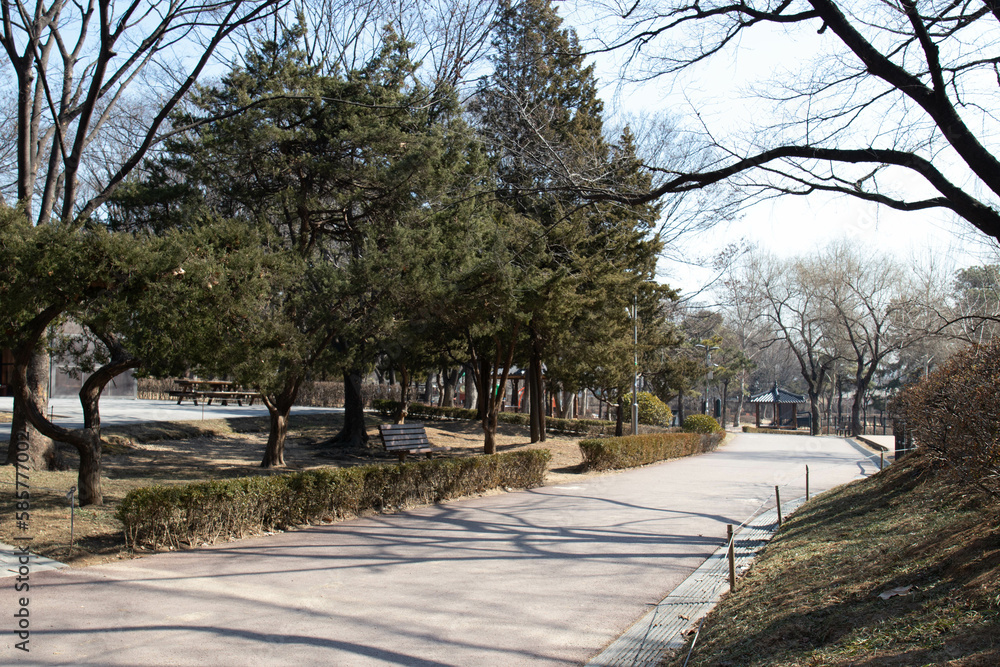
<point>636,450</point>
<point>775,431</point>
<point>208,511</point>
<point>389,409</point>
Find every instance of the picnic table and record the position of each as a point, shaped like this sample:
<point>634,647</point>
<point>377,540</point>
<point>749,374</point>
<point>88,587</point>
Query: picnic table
<point>209,390</point>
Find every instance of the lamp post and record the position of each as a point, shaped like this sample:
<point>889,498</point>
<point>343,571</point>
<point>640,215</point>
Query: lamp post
<point>708,371</point>
<point>635,367</point>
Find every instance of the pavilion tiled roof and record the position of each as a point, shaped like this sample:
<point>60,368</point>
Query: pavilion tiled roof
<point>778,395</point>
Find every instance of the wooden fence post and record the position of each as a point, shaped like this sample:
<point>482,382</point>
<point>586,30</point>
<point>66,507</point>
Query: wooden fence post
<point>732,558</point>
<point>777,496</point>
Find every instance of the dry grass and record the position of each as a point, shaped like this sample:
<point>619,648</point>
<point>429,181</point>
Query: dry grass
<point>813,597</point>
<point>180,452</point>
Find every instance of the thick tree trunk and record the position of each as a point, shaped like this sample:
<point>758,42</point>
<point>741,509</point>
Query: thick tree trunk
<point>855,417</point>
<point>274,451</point>
<point>88,478</point>
<point>42,452</point>
<point>279,407</point>
<point>450,376</point>
<point>814,411</point>
<point>490,434</point>
<point>353,434</point>
<point>470,388</point>
<point>680,408</point>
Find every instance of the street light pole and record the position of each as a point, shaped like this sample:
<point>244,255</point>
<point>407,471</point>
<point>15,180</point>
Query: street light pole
<point>635,367</point>
<point>708,370</point>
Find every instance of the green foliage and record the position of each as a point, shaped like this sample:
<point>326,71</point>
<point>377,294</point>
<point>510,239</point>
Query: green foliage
<point>637,450</point>
<point>701,424</point>
<point>954,413</point>
<point>208,511</point>
<point>388,408</point>
<point>652,410</point>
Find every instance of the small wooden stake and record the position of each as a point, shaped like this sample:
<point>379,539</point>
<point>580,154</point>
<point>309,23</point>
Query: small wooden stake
<point>777,496</point>
<point>72,510</point>
<point>732,558</point>
<point>807,483</point>
<point>881,460</point>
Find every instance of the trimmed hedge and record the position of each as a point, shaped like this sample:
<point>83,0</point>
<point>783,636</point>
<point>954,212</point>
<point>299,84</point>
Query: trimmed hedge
<point>776,431</point>
<point>701,424</point>
<point>209,511</point>
<point>389,409</point>
<point>636,450</point>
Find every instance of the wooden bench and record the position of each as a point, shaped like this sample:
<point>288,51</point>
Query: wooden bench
<point>406,439</point>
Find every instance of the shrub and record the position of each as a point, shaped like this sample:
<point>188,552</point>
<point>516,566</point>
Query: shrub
<point>636,450</point>
<point>232,508</point>
<point>389,409</point>
<point>701,424</point>
<point>652,410</point>
<point>955,414</point>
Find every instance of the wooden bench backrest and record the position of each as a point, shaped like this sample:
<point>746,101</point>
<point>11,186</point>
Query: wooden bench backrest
<point>404,436</point>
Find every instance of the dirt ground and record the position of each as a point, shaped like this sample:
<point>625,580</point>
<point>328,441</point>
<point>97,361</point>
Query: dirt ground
<point>135,458</point>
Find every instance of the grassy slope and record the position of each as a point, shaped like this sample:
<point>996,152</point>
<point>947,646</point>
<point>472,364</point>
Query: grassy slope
<point>813,595</point>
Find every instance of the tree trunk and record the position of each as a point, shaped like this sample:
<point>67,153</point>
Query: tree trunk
<point>353,434</point>
<point>814,412</point>
<point>42,452</point>
<point>88,479</point>
<point>619,425</point>
<point>450,376</point>
<point>274,452</point>
<point>855,416</point>
<point>404,395</point>
<point>490,434</point>
<point>537,395</point>
<point>470,388</point>
<point>490,406</point>
<point>725,402</point>
<point>680,408</point>
<point>739,403</point>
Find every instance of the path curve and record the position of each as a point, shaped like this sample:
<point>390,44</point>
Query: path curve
<point>542,577</point>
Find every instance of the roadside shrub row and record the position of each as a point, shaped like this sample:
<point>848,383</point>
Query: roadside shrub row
<point>203,512</point>
<point>636,450</point>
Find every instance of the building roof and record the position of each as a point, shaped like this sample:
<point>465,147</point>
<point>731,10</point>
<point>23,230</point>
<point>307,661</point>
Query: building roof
<point>778,395</point>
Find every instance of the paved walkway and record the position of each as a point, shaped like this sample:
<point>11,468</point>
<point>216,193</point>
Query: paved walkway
<point>542,577</point>
<point>67,411</point>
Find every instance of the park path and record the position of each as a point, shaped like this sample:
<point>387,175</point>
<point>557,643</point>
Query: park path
<point>541,577</point>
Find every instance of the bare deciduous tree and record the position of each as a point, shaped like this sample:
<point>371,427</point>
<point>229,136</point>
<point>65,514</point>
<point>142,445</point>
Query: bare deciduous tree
<point>896,93</point>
